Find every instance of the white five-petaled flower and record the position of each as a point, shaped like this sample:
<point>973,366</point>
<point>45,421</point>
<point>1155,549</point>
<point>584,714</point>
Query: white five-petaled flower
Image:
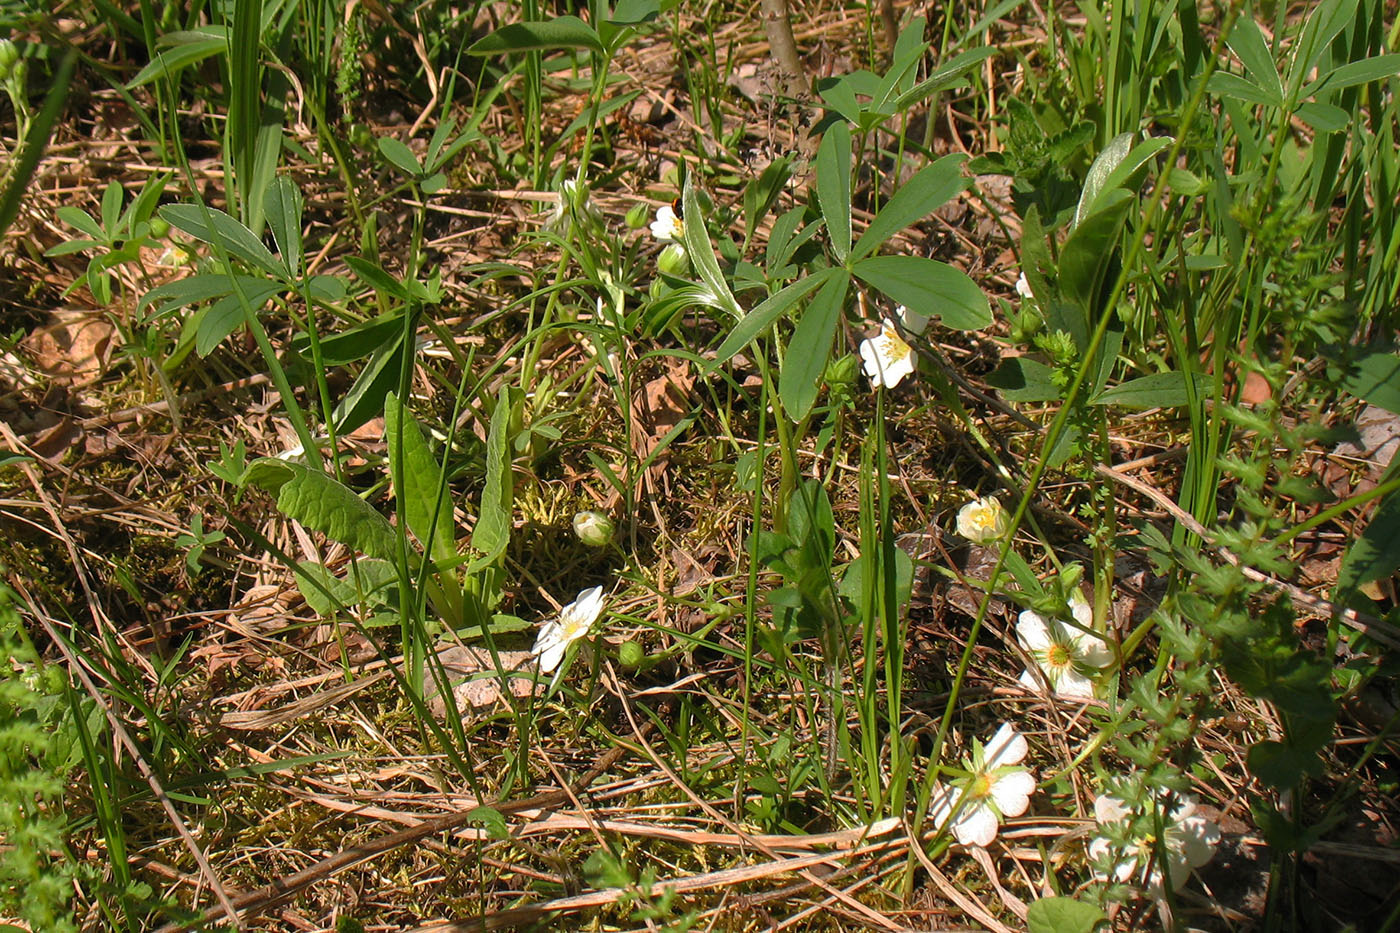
<point>1064,653</point>
<point>1023,287</point>
<point>996,788</point>
<point>983,520</point>
<point>573,623</point>
<point>667,227</point>
<point>1188,842</point>
<point>886,358</point>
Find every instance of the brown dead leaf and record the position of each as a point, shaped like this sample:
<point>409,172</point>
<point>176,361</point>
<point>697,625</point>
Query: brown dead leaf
<point>663,402</point>
<point>55,442</point>
<point>74,349</point>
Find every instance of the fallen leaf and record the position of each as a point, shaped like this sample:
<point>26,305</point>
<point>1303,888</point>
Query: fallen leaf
<point>476,681</point>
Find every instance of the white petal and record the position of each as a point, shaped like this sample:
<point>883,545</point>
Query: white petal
<point>1073,685</point>
<point>1012,792</point>
<point>1033,631</point>
<point>1092,650</point>
<point>1199,837</point>
<point>1109,809</point>
<point>914,322</point>
<point>1023,287</point>
<point>977,826</point>
<point>1029,680</point>
<point>1081,610</point>
<point>1007,747</point>
<point>886,358</point>
<point>584,610</point>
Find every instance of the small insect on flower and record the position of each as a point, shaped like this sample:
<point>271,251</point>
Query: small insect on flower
<point>573,623</point>
<point>668,226</point>
<point>886,358</point>
<point>1066,654</point>
<point>982,521</point>
<point>996,788</point>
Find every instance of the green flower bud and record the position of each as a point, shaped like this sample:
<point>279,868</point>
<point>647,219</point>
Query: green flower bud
<point>9,57</point>
<point>593,528</point>
<point>842,371</point>
<point>637,216</point>
<point>631,655</point>
<point>160,228</point>
<point>673,260</point>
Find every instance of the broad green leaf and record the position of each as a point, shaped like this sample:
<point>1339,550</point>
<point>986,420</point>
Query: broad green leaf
<point>322,503</point>
<point>169,61</point>
<point>1022,379</point>
<point>702,254</point>
<point>1224,84</point>
<point>282,207</point>
<point>400,156</point>
<point>227,314</point>
<point>112,198</point>
<point>326,594</point>
<point>1365,71</point>
<point>376,278</point>
<point>945,77</point>
<point>929,287</point>
<point>633,12</point>
<point>366,397</point>
<point>1104,163</point>
<point>920,196</point>
<point>762,317</point>
<point>763,191</point>
<point>810,348</point>
<point>841,98</point>
<point>1125,172</point>
<point>1376,554</point>
<point>1376,378</point>
<point>853,580</point>
<point>834,186</point>
<point>74,217</point>
<point>427,515</point>
<point>1063,915</point>
<point>1324,117</point>
<point>201,287</point>
<point>1090,250</point>
<point>492,531</point>
<point>564,32</point>
<point>1247,42</point>
<point>217,228</point>
<point>1159,390</point>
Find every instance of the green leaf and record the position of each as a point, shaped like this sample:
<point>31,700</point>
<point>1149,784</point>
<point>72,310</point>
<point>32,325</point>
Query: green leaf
<point>400,156</point>
<point>492,531</point>
<point>810,348</point>
<point>920,196</point>
<point>834,186</point>
<point>929,287</point>
<point>1224,84</point>
<point>74,217</point>
<point>702,254</point>
<point>226,315</point>
<point>1022,379</point>
<point>217,228</point>
<point>1116,169</point>
<point>1159,390</point>
<point>1377,68</point>
<point>1091,249</point>
<point>324,504</point>
<point>427,515</point>
<point>763,191</point>
<point>1063,915</point>
<point>326,594</point>
<point>1376,554</point>
<point>1376,378</point>
<point>564,32</point>
<point>762,317</point>
<point>366,397</point>
<point>945,77</point>
<point>112,206</point>
<point>376,278</point>
<point>1247,42</point>
<point>167,63</point>
<point>282,207</point>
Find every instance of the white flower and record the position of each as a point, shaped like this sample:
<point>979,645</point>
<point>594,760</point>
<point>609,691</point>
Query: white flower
<point>982,520</point>
<point>1023,288</point>
<point>593,528</point>
<point>1066,654</point>
<point>886,358</point>
<point>667,227</point>
<point>996,789</point>
<point>1189,842</point>
<point>914,322</point>
<point>573,623</point>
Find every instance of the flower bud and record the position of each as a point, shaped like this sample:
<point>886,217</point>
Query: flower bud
<point>160,228</point>
<point>9,57</point>
<point>982,521</point>
<point>593,528</point>
<point>673,260</point>
<point>637,216</point>
<point>842,371</point>
<point>631,655</point>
